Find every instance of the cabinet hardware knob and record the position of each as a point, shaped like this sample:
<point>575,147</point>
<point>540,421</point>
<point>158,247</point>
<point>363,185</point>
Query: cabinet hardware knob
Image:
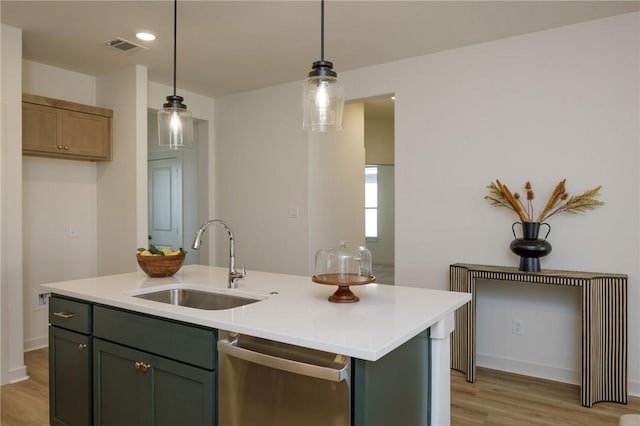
<point>65,315</point>
<point>66,147</point>
<point>60,147</point>
<point>82,347</point>
<point>142,366</point>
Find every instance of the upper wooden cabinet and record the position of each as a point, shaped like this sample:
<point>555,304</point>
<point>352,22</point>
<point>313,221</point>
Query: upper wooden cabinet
<point>55,128</point>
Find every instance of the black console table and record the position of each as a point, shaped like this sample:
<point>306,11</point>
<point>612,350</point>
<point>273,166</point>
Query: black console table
<point>604,324</point>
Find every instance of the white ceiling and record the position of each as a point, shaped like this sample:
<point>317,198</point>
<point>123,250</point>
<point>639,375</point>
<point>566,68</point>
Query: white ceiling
<point>232,46</point>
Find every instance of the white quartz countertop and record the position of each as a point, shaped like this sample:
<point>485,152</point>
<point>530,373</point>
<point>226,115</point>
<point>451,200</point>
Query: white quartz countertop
<point>294,310</point>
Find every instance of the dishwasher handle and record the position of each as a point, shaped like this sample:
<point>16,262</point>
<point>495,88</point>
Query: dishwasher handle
<point>230,348</point>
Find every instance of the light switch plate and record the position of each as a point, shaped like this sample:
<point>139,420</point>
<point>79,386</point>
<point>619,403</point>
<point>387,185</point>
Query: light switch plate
<point>73,231</point>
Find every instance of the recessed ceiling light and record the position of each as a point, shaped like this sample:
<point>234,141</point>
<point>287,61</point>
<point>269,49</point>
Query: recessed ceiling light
<point>143,35</point>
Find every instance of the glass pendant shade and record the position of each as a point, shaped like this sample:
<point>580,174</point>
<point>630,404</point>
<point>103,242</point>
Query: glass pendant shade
<point>175,124</point>
<point>322,98</point>
<point>322,93</point>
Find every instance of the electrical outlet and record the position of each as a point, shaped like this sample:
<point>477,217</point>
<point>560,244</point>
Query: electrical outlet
<point>517,327</point>
<point>41,300</point>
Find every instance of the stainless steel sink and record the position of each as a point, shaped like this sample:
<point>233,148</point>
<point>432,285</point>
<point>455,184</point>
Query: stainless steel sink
<point>197,299</point>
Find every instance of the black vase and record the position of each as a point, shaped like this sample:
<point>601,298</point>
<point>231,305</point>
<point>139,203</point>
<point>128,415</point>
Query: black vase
<point>529,247</point>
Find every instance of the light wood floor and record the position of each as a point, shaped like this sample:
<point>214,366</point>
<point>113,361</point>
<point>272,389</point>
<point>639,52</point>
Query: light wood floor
<point>495,399</point>
<point>27,403</point>
<point>503,399</point>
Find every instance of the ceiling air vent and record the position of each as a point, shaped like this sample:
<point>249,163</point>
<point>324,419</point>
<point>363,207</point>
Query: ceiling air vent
<point>124,45</point>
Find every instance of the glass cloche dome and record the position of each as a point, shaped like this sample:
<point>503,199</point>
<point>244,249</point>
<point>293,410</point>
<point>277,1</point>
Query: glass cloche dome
<point>344,266</point>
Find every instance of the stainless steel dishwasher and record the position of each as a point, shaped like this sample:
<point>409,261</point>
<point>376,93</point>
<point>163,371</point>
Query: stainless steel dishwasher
<point>266,383</point>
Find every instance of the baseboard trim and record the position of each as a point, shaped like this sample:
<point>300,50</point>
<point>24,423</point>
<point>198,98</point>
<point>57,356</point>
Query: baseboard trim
<point>541,371</point>
<point>529,369</point>
<point>37,343</point>
<point>18,374</point>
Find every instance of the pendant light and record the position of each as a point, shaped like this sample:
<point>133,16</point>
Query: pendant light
<point>323,94</point>
<point>175,122</point>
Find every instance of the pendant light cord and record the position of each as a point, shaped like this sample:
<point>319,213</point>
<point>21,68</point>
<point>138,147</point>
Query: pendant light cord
<point>175,42</point>
<point>322,30</point>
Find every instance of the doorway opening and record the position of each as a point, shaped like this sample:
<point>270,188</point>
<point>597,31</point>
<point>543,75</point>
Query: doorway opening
<point>379,174</point>
<point>177,190</point>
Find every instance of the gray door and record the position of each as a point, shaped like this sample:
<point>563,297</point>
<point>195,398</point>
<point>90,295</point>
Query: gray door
<point>165,202</point>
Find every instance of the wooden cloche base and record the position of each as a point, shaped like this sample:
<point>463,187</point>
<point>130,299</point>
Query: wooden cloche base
<point>343,294</point>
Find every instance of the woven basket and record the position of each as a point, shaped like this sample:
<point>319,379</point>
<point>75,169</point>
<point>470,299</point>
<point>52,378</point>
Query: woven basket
<point>160,266</point>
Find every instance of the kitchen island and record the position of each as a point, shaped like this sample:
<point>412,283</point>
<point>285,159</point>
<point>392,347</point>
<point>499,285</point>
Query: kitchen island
<point>294,310</point>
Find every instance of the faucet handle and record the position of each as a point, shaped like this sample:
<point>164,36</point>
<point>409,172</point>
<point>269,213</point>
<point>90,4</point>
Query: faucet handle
<point>235,275</point>
<point>239,274</point>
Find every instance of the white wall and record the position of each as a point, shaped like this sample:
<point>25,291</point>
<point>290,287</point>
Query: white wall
<point>45,80</point>
<point>57,194</point>
<point>336,185</point>
<point>267,165</point>
<point>203,128</point>
<point>379,140</point>
<point>260,171</point>
<point>122,182</point>
<point>556,104</point>
<point>12,366</point>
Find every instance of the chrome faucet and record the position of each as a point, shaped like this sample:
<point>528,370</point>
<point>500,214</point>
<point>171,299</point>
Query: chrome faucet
<point>234,275</point>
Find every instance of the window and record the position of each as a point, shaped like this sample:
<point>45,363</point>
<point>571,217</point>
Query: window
<point>371,201</point>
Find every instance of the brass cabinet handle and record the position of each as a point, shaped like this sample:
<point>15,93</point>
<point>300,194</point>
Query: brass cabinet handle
<point>60,147</point>
<point>66,147</point>
<point>65,315</point>
<point>142,366</point>
<point>82,347</point>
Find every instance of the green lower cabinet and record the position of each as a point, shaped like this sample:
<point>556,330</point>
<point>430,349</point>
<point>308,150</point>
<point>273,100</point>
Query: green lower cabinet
<point>133,387</point>
<point>110,367</point>
<point>69,378</point>
<point>395,390</point>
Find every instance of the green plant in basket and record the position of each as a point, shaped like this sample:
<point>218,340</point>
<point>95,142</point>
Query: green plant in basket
<point>154,251</point>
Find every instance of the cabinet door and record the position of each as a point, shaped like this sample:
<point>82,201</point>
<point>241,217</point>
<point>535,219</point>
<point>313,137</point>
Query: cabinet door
<point>86,135</point>
<point>119,389</point>
<point>182,394</point>
<point>136,388</point>
<point>41,128</point>
<point>70,398</point>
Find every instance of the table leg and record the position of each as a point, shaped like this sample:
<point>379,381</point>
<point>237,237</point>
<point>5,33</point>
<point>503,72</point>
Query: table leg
<point>463,339</point>
<point>604,341</point>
